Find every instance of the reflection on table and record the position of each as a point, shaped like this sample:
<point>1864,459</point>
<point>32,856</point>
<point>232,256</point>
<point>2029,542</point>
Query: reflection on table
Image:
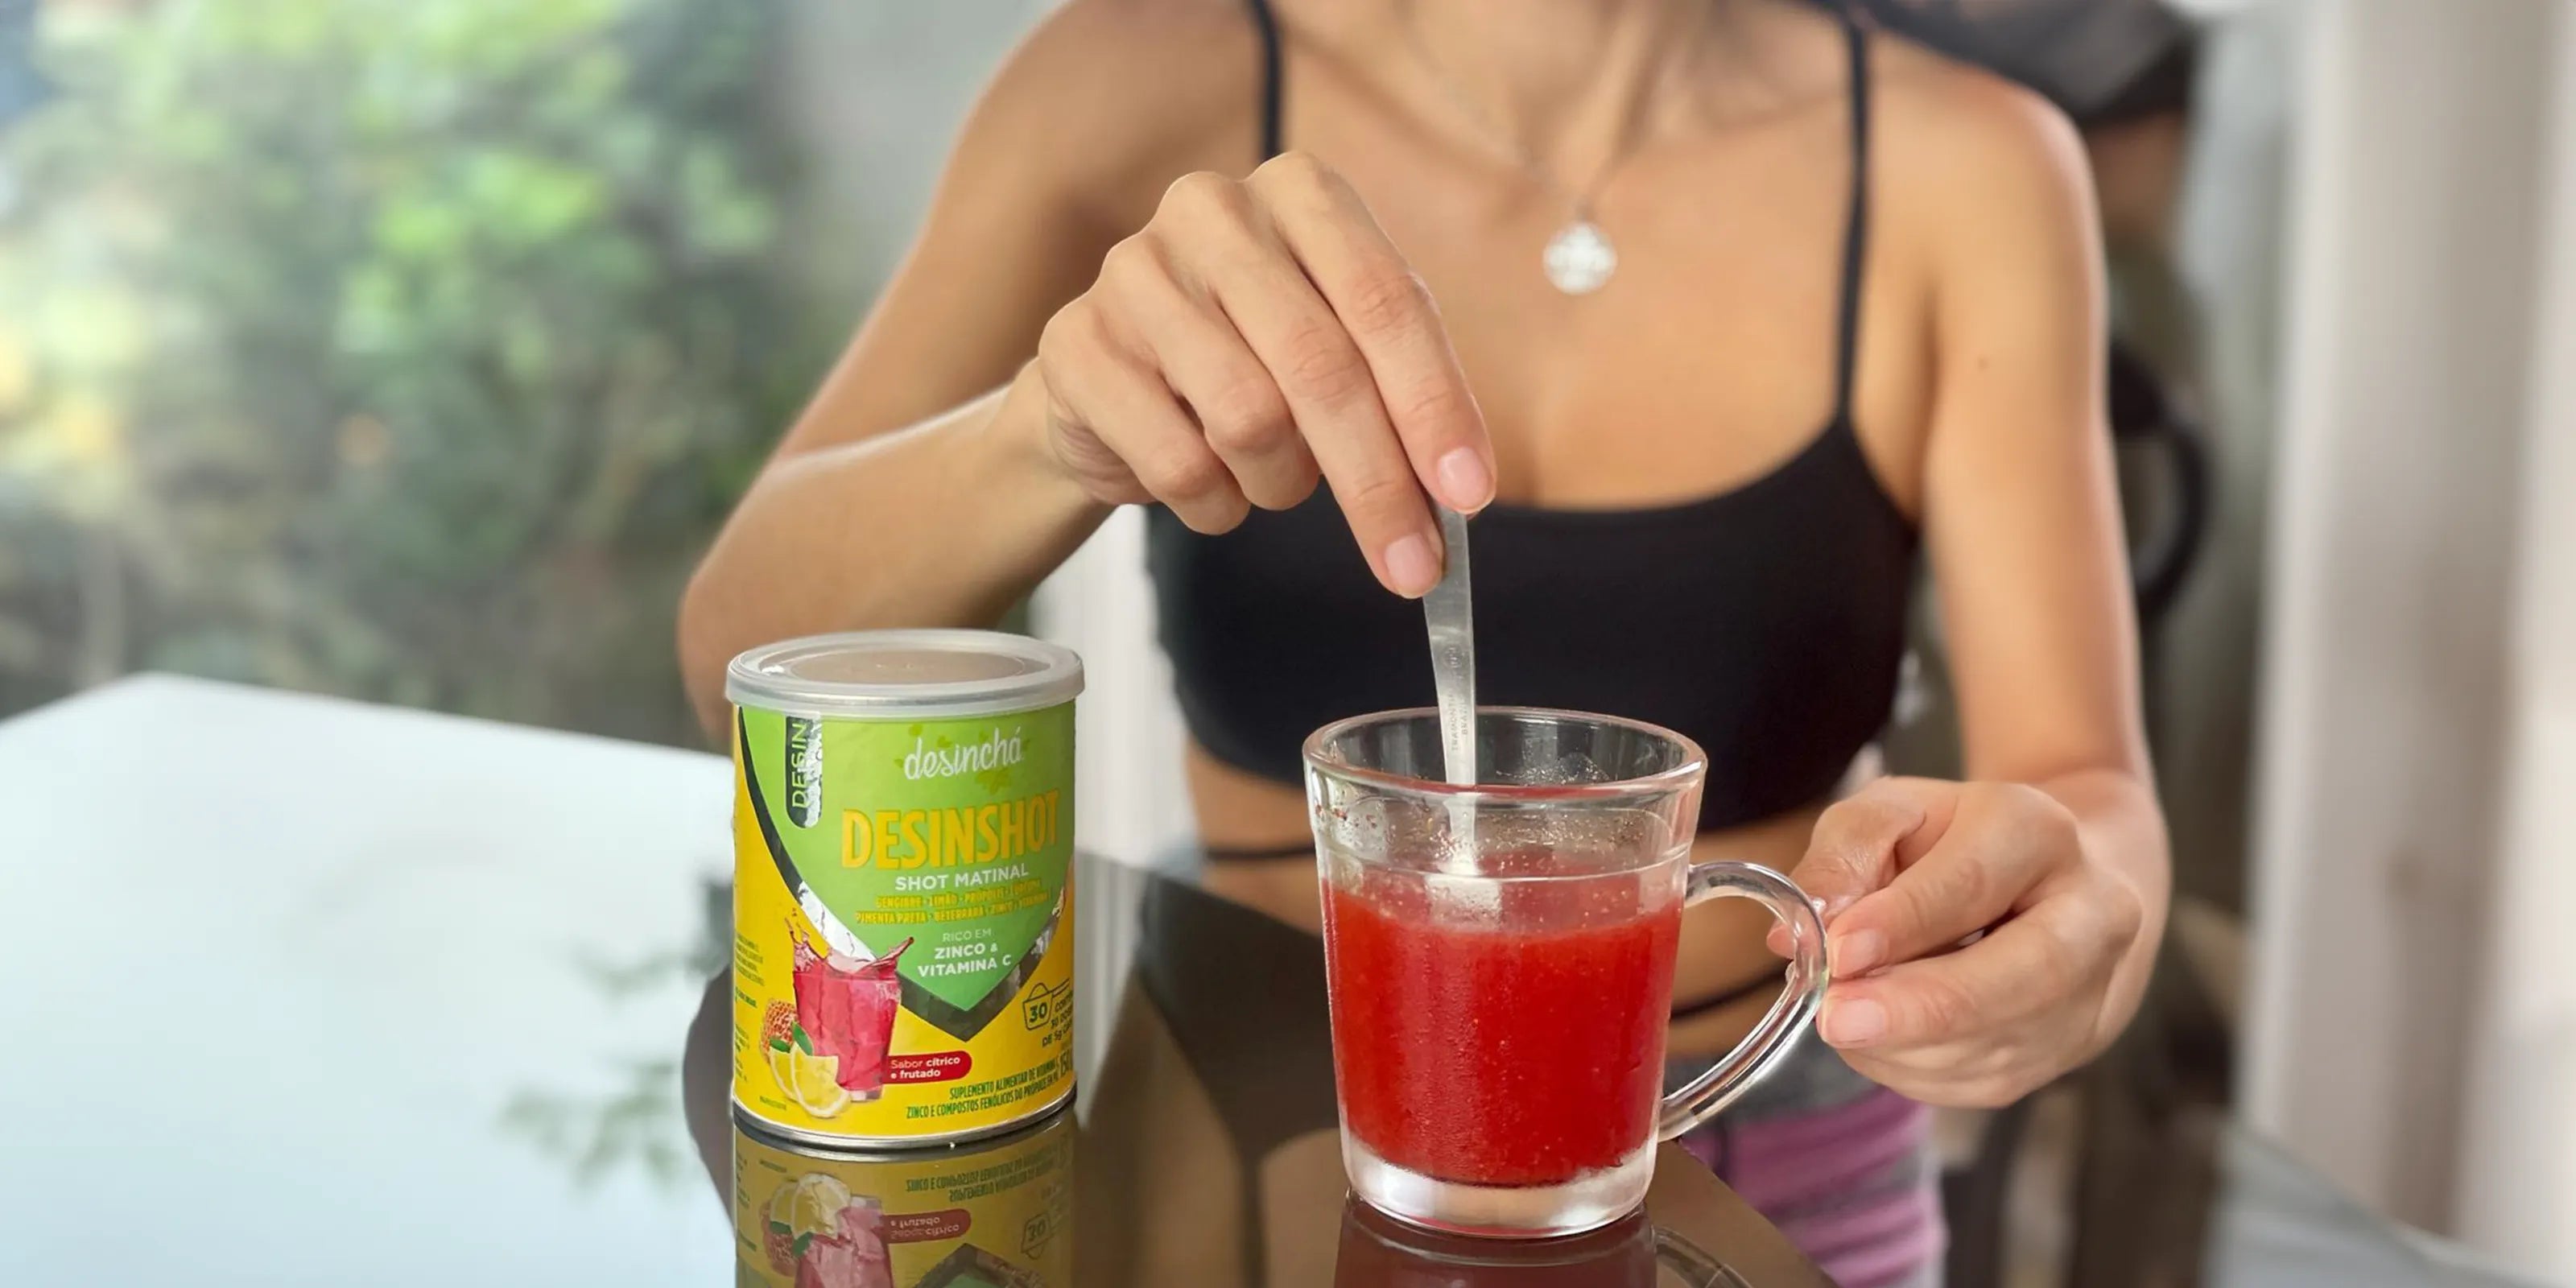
<point>996,1212</point>
<point>1207,1152</point>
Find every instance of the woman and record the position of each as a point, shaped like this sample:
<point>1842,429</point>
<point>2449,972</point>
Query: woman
<point>1734,300</point>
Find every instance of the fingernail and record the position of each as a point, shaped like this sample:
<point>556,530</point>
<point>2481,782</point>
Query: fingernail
<point>1415,569</point>
<point>1780,941</point>
<point>1465,481</point>
<point>1854,1022</point>
<point>1858,953</point>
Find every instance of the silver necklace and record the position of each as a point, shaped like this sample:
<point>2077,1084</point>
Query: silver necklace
<point>1579,259</point>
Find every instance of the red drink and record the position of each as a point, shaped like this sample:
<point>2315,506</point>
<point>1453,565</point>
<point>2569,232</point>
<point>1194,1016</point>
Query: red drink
<point>846,1008</point>
<point>1501,963</point>
<point>1524,1053</point>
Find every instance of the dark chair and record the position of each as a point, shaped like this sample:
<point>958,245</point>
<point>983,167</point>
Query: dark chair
<point>2155,437</point>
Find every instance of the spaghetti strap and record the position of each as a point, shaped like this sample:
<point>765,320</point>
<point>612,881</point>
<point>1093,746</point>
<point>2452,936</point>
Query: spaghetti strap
<point>1856,225</point>
<point>1266,23</point>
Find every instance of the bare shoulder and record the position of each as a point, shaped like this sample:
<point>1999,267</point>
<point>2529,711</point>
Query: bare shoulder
<point>1109,100</point>
<point>1964,149</point>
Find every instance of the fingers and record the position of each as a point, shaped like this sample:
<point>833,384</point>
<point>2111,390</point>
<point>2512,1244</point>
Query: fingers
<point>1962,886</point>
<point>1859,844</point>
<point>2022,971</point>
<point>1990,1023</point>
<point>1329,381</point>
<point>2028,997</point>
<point>1273,323</point>
<point>1239,257</point>
<point>1388,312</point>
<point>1118,399</point>
<point>1862,842</point>
<point>1239,408</point>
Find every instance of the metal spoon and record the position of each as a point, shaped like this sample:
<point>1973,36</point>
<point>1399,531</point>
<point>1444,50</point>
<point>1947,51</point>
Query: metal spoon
<point>1449,611</point>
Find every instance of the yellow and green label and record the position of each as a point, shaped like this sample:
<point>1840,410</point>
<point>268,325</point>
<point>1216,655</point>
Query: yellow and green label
<point>903,921</point>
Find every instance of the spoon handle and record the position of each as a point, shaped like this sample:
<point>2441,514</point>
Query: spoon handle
<point>1449,611</point>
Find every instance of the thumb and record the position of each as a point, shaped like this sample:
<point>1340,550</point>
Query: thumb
<point>1861,842</point>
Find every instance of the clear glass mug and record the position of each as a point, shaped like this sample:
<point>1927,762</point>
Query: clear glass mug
<point>1500,959</point>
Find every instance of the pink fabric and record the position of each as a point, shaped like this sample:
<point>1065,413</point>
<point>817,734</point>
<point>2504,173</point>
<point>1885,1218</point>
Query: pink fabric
<point>1853,1186</point>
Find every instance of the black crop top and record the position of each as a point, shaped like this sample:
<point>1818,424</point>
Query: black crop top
<point>1767,622</point>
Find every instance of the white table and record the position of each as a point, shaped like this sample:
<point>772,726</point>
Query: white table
<point>278,967</point>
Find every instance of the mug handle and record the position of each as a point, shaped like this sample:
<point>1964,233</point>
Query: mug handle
<point>1777,1035</point>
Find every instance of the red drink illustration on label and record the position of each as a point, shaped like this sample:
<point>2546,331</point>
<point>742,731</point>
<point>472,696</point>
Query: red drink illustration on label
<point>853,1257</point>
<point>819,1232</point>
<point>993,1214</point>
<point>1491,1054</point>
<point>846,1007</point>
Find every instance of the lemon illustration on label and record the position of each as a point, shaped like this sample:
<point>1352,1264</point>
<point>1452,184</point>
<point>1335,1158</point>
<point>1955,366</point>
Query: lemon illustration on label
<point>816,1230</point>
<point>812,1205</point>
<point>808,1079</point>
<point>811,1080</point>
<point>982,1215</point>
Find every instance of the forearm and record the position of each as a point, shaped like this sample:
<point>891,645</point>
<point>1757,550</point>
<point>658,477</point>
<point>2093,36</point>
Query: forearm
<point>945,523</point>
<point>2123,832</point>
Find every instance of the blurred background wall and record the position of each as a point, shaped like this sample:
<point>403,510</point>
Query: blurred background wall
<point>2410,1023</point>
<point>412,351</point>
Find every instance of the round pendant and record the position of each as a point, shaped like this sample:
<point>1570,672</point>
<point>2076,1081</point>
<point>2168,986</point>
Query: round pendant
<point>1579,259</point>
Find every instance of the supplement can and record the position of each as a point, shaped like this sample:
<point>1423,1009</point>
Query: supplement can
<point>903,902</point>
<point>991,1214</point>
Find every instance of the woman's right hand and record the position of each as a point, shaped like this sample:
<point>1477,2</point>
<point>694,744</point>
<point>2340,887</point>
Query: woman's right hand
<point>1255,334</point>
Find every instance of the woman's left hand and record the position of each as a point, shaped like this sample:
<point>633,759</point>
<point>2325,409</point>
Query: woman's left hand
<point>1907,870</point>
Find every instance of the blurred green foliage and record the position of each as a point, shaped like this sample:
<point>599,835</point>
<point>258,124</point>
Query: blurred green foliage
<point>395,349</point>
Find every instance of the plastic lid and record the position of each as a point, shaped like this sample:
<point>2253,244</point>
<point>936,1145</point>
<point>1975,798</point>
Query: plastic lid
<point>896,674</point>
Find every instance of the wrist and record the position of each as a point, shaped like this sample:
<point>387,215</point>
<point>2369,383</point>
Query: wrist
<point>1019,425</point>
<point>2120,832</point>
<point>1019,433</point>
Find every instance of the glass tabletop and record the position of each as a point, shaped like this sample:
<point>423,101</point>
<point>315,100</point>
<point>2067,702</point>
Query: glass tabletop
<point>301,991</point>
<point>1201,1148</point>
